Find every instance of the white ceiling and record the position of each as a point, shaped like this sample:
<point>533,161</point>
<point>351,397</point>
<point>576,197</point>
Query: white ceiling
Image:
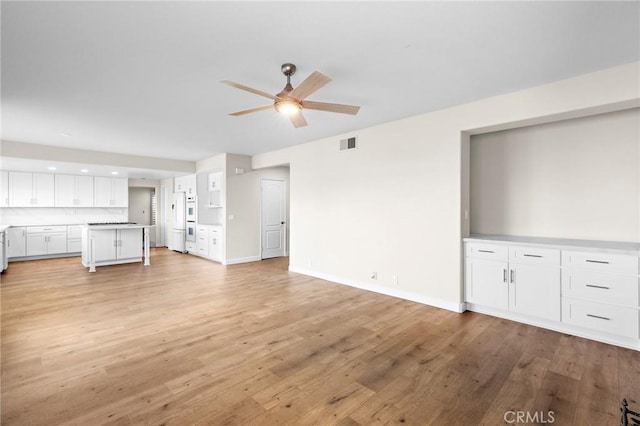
<point>143,78</point>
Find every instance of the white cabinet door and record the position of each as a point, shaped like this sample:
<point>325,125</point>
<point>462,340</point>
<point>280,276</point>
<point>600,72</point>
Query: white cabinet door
<point>65,191</point>
<point>16,242</point>
<point>43,190</point>
<point>120,192</point>
<point>36,244</point>
<point>179,184</point>
<point>105,245</point>
<point>215,181</point>
<point>102,191</point>
<point>215,244</point>
<point>129,243</point>
<point>56,243</point>
<point>486,283</point>
<point>20,189</point>
<point>202,240</point>
<point>4,189</point>
<point>191,182</point>
<point>535,291</point>
<point>84,191</point>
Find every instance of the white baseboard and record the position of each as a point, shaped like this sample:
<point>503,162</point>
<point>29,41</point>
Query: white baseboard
<point>242,260</point>
<point>401,294</point>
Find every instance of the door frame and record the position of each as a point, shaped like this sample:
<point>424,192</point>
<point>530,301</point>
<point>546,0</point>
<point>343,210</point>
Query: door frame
<point>286,216</point>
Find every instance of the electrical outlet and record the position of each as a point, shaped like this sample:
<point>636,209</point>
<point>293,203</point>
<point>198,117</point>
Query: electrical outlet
<point>374,275</point>
<point>395,280</point>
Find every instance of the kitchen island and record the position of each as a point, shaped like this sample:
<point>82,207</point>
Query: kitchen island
<point>113,244</point>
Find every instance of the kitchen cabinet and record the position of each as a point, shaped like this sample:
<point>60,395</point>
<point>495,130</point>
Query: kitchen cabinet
<point>214,189</point>
<point>3,249</point>
<point>186,184</point>
<point>111,192</point>
<point>44,240</point>
<point>202,240</point>
<point>522,280</point>
<point>117,244</point>
<point>74,238</point>
<point>74,191</point>
<point>215,243</point>
<point>4,189</point>
<point>16,242</point>
<point>31,189</point>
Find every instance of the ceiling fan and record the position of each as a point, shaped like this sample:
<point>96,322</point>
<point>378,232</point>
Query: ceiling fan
<point>291,101</point>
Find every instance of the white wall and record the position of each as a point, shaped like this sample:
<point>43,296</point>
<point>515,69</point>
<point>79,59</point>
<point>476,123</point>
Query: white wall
<point>394,205</point>
<point>577,178</point>
<point>243,241</point>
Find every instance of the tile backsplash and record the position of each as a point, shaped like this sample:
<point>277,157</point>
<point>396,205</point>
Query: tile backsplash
<point>22,216</point>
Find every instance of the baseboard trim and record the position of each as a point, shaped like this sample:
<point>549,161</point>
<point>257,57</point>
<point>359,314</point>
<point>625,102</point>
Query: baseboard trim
<point>401,294</point>
<point>242,260</point>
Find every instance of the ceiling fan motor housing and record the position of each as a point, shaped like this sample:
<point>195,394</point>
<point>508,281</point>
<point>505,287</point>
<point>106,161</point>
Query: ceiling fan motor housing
<point>288,69</point>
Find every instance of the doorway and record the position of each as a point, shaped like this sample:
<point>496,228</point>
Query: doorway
<point>273,218</point>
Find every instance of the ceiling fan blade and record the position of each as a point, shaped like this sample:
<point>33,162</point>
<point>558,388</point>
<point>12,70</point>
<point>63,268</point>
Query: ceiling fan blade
<point>249,89</point>
<point>310,84</point>
<point>325,106</point>
<point>298,119</point>
<point>250,110</point>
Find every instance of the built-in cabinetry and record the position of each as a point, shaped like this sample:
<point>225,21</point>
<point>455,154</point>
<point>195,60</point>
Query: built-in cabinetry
<point>31,189</point>
<point>214,189</point>
<point>4,189</point>
<point>16,241</point>
<point>584,288</point>
<point>208,242</point>
<point>186,184</point>
<point>74,191</point>
<point>44,240</point>
<point>74,238</point>
<point>111,192</point>
<point>117,244</point>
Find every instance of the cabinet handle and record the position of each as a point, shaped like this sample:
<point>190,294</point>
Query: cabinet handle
<point>215,241</point>
<point>598,286</point>
<point>599,317</point>
<point>486,251</point>
<point>504,275</point>
<point>512,276</point>
<point>532,255</point>
<point>597,261</point>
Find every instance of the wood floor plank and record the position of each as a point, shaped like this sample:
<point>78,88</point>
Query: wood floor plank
<point>187,341</point>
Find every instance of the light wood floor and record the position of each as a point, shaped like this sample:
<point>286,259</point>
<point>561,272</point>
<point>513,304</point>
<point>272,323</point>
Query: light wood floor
<point>188,341</point>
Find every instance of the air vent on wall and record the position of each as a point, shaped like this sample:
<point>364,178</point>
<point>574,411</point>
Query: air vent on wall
<point>349,143</point>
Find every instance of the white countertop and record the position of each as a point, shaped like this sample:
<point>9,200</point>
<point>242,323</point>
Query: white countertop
<point>117,226</point>
<point>4,227</point>
<point>619,247</point>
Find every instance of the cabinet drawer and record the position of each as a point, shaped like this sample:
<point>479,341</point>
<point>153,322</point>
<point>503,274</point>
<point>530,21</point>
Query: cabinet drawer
<point>202,229</point>
<point>74,231</point>
<point>599,287</point>
<point>603,262</point>
<point>74,245</point>
<point>487,251</point>
<point>534,256</point>
<point>41,229</point>
<point>190,246</point>
<point>612,319</point>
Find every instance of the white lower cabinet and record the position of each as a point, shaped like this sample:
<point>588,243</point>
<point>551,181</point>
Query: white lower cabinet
<point>202,240</point>
<point>523,281</point>
<point>16,242</point>
<point>74,238</point>
<point>208,242</point>
<point>215,243</point>
<point>591,293</point>
<point>43,240</point>
<point>117,244</point>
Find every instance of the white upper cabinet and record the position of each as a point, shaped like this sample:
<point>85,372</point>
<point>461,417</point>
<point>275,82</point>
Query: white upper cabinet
<point>74,191</point>
<point>4,189</point>
<point>186,184</point>
<point>31,189</point>
<point>111,192</point>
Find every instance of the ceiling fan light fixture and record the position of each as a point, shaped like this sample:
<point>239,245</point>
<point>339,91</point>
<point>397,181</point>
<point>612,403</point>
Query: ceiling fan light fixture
<point>287,107</point>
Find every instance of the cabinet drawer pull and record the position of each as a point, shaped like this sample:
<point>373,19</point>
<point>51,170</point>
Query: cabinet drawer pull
<point>532,255</point>
<point>486,251</point>
<point>598,286</point>
<point>597,261</point>
<point>599,317</point>
<point>504,275</point>
<point>512,276</point>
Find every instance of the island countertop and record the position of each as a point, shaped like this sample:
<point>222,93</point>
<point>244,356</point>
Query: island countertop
<point>107,226</point>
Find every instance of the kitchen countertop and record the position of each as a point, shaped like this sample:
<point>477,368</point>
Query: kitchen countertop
<point>4,227</point>
<point>617,247</point>
<point>117,226</point>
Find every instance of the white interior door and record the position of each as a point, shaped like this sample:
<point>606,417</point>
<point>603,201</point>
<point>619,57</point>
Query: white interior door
<point>273,218</point>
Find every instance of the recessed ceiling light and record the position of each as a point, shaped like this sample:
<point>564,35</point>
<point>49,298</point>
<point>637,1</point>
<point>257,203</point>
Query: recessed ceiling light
<point>114,173</point>
<point>65,134</point>
<point>51,168</point>
<point>84,171</point>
